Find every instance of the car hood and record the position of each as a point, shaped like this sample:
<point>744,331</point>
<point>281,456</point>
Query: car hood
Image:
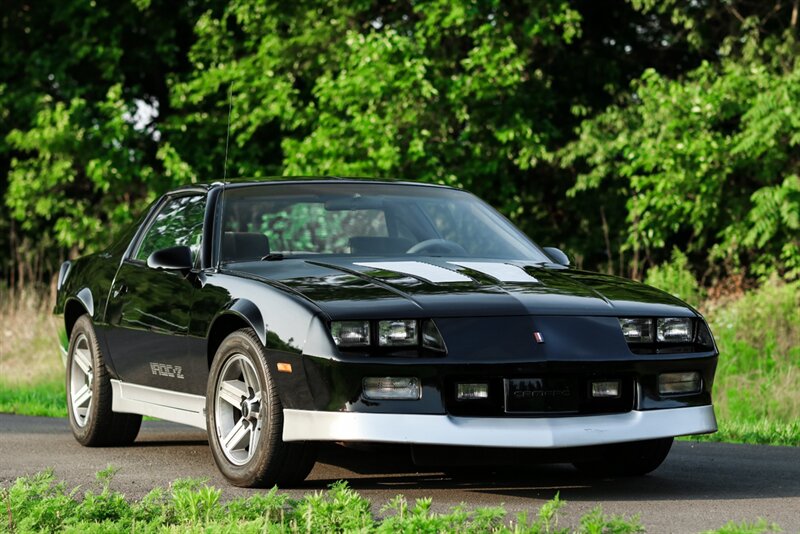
<point>369,288</point>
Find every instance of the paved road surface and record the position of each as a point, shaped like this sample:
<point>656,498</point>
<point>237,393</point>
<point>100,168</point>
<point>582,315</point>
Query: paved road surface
<point>700,486</point>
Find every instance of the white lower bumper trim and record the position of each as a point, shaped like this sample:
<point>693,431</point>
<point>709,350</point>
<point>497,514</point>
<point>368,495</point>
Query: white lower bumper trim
<point>554,432</point>
<point>164,404</point>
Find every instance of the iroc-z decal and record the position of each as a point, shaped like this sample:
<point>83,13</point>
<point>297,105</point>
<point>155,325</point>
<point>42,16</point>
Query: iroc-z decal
<point>166,370</point>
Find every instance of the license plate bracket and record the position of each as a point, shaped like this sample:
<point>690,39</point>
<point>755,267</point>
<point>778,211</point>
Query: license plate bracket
<point>541,395</point>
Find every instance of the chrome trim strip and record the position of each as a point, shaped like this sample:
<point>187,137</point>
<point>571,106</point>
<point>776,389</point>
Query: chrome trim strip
<point>553,432</point>
<point>172,406</point>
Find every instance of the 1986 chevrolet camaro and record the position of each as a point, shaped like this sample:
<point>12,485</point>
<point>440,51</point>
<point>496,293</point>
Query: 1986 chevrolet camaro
<point>277,315</point>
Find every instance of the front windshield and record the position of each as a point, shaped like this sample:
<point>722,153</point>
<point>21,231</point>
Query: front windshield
<point>365,219</point>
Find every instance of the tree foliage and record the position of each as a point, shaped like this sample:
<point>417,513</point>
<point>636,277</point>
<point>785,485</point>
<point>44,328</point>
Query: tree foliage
<point>707,162</point>
<point>615,130</point>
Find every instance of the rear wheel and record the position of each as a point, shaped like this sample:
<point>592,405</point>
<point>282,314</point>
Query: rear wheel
<point>89,393</point>
<point>628,459</point>
<point>244,417</point>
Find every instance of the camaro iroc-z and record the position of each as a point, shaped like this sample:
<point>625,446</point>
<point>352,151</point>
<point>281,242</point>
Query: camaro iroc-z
<point>277,315</point>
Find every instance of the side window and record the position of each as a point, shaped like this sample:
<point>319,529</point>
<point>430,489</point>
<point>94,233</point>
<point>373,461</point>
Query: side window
<point>179,222</point>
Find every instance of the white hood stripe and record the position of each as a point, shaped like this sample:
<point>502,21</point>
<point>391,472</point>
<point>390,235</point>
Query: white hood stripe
<point>504,272</point>
<point>425,271</point>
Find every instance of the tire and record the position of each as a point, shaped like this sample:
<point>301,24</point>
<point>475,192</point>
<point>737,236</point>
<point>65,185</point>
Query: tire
<point>88,385</point>
<point>244,417</point>
<point>628,459</point>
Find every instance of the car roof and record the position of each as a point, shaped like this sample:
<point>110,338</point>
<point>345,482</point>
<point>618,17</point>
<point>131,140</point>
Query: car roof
<point>243,182</point>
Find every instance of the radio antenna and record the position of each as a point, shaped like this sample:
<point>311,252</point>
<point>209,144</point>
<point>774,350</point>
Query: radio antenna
<point>228,137</point>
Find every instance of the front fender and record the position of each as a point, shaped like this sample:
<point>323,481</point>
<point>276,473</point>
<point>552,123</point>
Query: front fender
<point>248,312</point>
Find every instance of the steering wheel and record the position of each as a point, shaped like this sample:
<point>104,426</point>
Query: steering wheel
<point>437,246</point>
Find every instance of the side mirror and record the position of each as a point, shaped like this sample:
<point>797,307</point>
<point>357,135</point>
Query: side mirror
<point>172,259</point>
<point>559,256</point>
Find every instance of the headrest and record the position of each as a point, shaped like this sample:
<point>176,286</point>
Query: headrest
<point>244,246</point>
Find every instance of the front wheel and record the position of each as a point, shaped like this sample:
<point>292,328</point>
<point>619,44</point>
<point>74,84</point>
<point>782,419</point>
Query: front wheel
<point>89,393</point>
<point>244,417</point>
<point>628,459</point>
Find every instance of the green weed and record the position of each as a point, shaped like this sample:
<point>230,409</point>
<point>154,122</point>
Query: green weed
<point>758,527</point>
<point>40,504</point>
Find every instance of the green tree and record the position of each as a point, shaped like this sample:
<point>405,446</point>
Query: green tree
<point>83,90</point>
<point>706,162</point>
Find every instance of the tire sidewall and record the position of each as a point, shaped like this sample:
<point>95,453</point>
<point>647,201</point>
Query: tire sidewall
<point>247,474</point>
<point>84,433</point>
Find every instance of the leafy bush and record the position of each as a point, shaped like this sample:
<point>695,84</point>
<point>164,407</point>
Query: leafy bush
<point>758,336</point>
<point>676,278</point>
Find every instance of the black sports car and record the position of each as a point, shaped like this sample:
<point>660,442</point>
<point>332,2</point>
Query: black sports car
<point>277,315</point>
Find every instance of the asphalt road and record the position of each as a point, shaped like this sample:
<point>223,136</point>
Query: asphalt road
<point>699,487</point>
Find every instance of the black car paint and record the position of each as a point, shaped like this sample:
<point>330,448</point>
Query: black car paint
<point>488,326</point>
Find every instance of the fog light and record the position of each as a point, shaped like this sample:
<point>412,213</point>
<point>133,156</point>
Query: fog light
<point>391,388</point>
<point>606,389</point>
<point>679,383</point>
<point>472,391</point>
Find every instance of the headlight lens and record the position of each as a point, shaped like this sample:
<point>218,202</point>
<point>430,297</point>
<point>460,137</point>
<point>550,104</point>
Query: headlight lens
<point>674,330</point>
<point>647,335</point>
<point>401,333</point>
<point>350,333</point>
<point>406,336</point>
<point>637,330</point>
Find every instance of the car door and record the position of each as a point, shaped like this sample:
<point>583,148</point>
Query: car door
<point>149,310</point>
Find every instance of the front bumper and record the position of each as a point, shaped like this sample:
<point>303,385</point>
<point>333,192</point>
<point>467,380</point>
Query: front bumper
<point>550,432</point>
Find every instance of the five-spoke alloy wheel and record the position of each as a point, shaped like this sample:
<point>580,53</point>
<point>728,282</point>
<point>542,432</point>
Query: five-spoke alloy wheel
<point>244,417</point>
<point>237,413</point>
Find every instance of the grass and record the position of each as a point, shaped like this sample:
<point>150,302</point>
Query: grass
<point>41,504</point>
<point>46,398</point>
<point>756,393</point>
<point>31,373</point>
<point>757,388</point>
<point>758,433</point>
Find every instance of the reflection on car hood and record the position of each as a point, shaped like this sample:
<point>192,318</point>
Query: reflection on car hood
<point>438,287</point>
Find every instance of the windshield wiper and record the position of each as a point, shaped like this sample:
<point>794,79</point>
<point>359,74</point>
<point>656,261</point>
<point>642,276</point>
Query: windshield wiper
<point>273,257</point>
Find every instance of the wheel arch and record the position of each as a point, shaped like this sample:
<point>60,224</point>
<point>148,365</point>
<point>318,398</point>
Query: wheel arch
<point>239,314</point>
<point>82,303</point>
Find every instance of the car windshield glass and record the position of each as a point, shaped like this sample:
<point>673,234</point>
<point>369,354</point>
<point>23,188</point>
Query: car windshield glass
<point>365,219</point>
